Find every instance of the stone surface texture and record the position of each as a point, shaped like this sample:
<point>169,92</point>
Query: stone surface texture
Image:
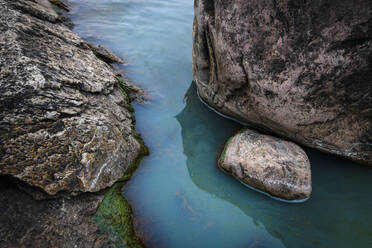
<point>269,164</point>
<point>63,222</point>
<point>64,125</point>
<point>66,132</point>
<point>300,69</point>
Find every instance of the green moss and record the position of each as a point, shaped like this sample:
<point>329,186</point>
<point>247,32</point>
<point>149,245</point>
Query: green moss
<point>144,149</point>
<point>126,87</point>
<point>127,90</point>
<point>114,218</point>
<point>114,215</point>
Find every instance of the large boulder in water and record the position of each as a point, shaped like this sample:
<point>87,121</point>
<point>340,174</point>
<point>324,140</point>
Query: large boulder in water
<point>300,69</point>
<point>277,167</point>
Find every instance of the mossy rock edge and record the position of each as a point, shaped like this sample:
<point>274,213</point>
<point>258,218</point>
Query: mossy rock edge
<point>114,216</point>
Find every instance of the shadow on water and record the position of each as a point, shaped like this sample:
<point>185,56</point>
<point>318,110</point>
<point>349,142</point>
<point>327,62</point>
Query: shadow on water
<point>336,215</point>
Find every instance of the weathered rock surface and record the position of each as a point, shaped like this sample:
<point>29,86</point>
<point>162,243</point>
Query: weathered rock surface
<point>66,134</point>
<point>64,125</point>
<point>63,222</point>
<point>269,164</point>
<point>26,222</point>
<point>300,69</point>
<point>105,54</point>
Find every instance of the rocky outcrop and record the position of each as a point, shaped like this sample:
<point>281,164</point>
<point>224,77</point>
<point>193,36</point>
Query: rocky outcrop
<point>66,129</point>
<point>62,222</point>
<point>300,69</point>
<point>269,164</point>
<point>64,124</point>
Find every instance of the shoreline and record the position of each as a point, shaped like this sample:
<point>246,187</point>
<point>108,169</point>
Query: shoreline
<point>94,212</point>
<point>114,215</point>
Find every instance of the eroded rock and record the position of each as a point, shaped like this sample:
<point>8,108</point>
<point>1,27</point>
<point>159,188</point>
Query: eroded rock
<point>66,136</point>
<point>64,123</point>
<point>63,222</point>
<point>61,4</point>
<point>300,69</point>
<point>269,164</point>
<point>105,54</point>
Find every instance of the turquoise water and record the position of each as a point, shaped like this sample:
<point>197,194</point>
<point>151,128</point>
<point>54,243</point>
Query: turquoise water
<point>180,198</point>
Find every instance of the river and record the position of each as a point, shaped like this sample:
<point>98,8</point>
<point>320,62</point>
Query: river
<point>179,196</point>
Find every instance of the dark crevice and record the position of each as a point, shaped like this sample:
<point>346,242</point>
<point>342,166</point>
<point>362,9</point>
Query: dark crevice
<point>244,87</point>
<point>212,55</point>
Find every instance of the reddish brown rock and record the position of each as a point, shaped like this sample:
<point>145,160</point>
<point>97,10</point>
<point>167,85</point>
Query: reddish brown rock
<point>300,69</point>
<point>277,167</point>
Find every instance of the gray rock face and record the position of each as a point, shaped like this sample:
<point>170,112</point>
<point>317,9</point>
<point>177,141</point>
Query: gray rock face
<point>66,134</point>
<point>300,69</point>
<point>26,222</point>
<point>269,164</point>
<point>64,125</point>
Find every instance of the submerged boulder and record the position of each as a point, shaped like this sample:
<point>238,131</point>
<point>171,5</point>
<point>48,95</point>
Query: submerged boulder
<point>277,167</point>
<point>300,69</point>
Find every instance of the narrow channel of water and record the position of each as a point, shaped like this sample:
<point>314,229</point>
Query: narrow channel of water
<point>179,196</point>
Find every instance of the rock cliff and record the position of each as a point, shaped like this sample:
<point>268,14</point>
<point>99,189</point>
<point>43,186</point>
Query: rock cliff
<point>299,69</point>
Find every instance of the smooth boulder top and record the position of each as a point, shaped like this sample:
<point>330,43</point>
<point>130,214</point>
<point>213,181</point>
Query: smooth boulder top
<point>277,167</point>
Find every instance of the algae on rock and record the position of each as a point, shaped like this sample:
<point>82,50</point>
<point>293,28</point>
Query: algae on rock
<point>66,135</point>
<point>114,214</point>
<point>114,218</point>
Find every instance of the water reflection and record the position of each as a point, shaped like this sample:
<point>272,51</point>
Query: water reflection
<point>180,198</point>
<point>335,216</point>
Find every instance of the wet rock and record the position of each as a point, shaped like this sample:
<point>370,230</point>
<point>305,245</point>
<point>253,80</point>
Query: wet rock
<point>300,69</point>
<point>269,164</point>
<point>105,54</point>
<point>66,136</point>
<point>66,221</point>
<point>65,126</point>
<point>60,4</point>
